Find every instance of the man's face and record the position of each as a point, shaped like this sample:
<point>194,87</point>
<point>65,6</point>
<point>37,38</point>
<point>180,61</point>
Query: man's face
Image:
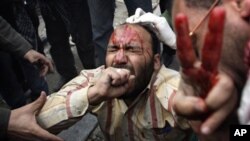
<point>130,47</point>
<point>236,33</point>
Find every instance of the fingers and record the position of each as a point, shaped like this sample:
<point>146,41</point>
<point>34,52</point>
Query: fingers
<point>46,65</point>
<point>43,63</point>
<point>137,14</point>
<point>147,18</point>
<point>196,125</point>
<point>221,93</point>
<point>185,50</point>
<point>49,64</point>
<point>211,51</point>
<point>130,19</point>
<point>45,135</point>
<point>221,101</point>
<point>188,106</point>
<point>121,79</point>
<point>38,103</point>
<point>218,117</point>
<point>152,21</point>
<point>160,26</point>
<point>43,70</point>
<point>113,83</point>
<point>118,76</point>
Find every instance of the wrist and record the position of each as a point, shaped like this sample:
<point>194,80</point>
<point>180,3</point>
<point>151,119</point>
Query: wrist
<point>28,56</point>
<point>12,122</point>
<point>93,96</point>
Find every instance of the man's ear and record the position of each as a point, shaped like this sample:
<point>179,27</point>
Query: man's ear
<point>157,62</point>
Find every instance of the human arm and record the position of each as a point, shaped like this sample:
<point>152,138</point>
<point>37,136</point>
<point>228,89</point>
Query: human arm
<point>207,95</point>
<point>113,83</point>
<point>212,111</point>
<point>73,99</point>
<point>13,42</point>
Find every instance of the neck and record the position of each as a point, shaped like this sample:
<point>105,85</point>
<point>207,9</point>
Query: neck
<point>130,100</point>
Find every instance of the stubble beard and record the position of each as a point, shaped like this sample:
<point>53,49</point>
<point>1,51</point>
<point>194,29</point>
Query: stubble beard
<point>140,83</point>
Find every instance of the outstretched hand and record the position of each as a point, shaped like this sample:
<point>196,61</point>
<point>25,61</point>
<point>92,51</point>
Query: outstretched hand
<point>23,124</point>
<point>206,95</point>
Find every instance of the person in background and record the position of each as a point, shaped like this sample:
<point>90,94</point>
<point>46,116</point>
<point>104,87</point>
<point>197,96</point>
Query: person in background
<point>21,123</point>
<point>102,16</point>
<point>131,95</point>
<point>19,75</point>
<point>64,18</point>
<point>13,42</point>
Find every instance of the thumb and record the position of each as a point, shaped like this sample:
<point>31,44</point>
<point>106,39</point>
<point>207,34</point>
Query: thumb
<point>139,12</point>
<point>134,18</point>
<point>39,102</point>
<point>131,80</point>
<point>148,18</point>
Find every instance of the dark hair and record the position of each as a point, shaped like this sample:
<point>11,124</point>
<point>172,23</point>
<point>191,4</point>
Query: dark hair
<point>200,3</point>
<point>156,46</point>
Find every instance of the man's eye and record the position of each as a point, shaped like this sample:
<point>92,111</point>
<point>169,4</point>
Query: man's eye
<point>112,48</point>
<point>134,49</point>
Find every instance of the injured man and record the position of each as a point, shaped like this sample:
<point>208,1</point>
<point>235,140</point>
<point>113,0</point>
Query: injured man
<point>131,95</point>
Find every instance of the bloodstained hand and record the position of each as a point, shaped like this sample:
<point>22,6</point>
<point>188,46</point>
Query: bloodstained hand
<point>201,77</point>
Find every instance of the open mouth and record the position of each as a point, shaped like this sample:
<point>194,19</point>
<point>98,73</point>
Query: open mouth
<point>124,67</point>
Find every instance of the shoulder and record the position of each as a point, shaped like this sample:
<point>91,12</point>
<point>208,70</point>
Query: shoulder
<point>166,85</point>
<point>92,73</point>
<point>168,77</point>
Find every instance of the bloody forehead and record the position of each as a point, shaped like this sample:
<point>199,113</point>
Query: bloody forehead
<point>125,35</point>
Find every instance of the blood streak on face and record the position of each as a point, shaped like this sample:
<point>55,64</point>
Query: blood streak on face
<point>130,47</point>
<point>128,36</point>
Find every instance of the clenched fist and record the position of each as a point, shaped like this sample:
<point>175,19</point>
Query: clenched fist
<point>113,83</point>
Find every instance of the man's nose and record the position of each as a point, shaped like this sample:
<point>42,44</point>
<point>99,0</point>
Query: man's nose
<point>121,57</point>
